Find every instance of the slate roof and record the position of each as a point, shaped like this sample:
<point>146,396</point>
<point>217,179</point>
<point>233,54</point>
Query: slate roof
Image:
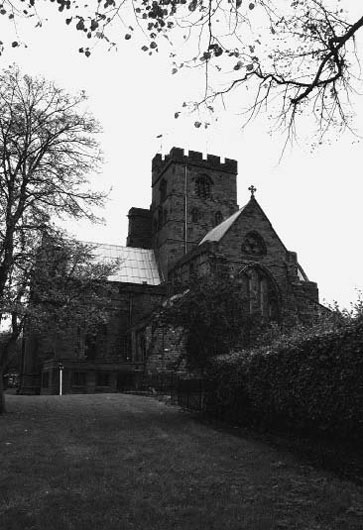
<point>218,231</point>
<point>136,265</point>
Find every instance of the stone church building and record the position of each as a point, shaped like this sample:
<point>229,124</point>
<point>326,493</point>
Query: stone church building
<point>193,217</point>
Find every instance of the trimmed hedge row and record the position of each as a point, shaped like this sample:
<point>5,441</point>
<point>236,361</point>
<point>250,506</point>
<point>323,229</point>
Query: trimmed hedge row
<point>312,381</point>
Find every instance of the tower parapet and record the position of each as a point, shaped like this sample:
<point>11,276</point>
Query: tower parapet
<point>193,158</point>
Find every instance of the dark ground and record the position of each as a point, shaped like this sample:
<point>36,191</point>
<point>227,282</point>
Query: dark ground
<point>113,461</point>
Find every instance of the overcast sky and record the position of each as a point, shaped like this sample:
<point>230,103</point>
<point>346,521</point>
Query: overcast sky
<point>313,197</point>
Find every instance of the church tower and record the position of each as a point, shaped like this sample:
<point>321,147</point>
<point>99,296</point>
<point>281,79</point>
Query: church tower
<point>190,195</point>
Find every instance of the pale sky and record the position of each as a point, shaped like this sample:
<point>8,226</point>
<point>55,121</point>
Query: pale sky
<point>313,198</point>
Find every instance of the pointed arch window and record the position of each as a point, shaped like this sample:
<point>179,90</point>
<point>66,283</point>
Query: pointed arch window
<point>260,294</point>
<point>163,190</point>
<point>159,218</point>
<point>203,186</point>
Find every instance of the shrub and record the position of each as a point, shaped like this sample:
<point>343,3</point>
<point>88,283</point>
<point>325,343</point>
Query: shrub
<point>307,380</point>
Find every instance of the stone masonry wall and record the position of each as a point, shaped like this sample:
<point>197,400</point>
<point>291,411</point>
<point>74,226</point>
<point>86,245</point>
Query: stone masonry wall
<point>140,228</point>
<point>165,349</point>
<point>181,217</point>
<point>280,263</point>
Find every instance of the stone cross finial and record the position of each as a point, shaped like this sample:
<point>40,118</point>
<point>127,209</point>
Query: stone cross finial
<point>252,189</point>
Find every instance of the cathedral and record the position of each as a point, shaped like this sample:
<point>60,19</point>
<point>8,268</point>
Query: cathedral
<point>193,217</point>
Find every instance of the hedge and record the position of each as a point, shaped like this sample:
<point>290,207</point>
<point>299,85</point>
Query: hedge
<point>311,381</point>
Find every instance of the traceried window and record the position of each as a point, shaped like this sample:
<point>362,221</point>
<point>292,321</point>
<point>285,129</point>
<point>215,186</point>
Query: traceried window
<point>203,186</point>
<point>162,189</point>
<point>218,218</point>
<point>260,294</point>
<point>253,244</point>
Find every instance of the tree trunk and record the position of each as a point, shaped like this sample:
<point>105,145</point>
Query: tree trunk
<point>5,353</point>
<point>2,394</point>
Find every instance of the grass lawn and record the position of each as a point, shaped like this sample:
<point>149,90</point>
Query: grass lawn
<point>114,462</point>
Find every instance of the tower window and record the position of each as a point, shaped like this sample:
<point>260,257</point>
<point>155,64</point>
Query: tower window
<point>218,218</point>
<point>162,189</point>
<point>196,215</point>
<point>203,186</point>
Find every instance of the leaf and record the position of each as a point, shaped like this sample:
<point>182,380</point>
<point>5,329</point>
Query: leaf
<point>174,71</point>
<point>176,115</point>
<point>206,56</point>
<point>94,25</point>
<point>80,25</point>
<point>193,5</point>
<point>127,36</point>
<point>251,6</point>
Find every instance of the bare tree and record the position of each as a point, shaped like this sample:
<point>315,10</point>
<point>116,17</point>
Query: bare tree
<point>293,56</point>
<point>47,150</point>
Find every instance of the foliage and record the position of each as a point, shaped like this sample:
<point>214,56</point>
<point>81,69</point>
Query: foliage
<point>48,148</point>
<point>290,55</point>
<point>212,313</point>
<point>69,288</point>
<point>308,380</point>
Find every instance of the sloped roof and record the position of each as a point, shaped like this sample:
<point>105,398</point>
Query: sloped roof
<point>218,231</point>
<point>136,265</point>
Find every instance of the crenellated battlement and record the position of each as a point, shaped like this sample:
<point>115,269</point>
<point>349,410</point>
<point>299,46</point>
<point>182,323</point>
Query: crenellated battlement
<point>195,158</point>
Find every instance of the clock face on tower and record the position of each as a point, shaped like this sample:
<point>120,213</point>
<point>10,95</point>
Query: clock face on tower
<point>253,244</point>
